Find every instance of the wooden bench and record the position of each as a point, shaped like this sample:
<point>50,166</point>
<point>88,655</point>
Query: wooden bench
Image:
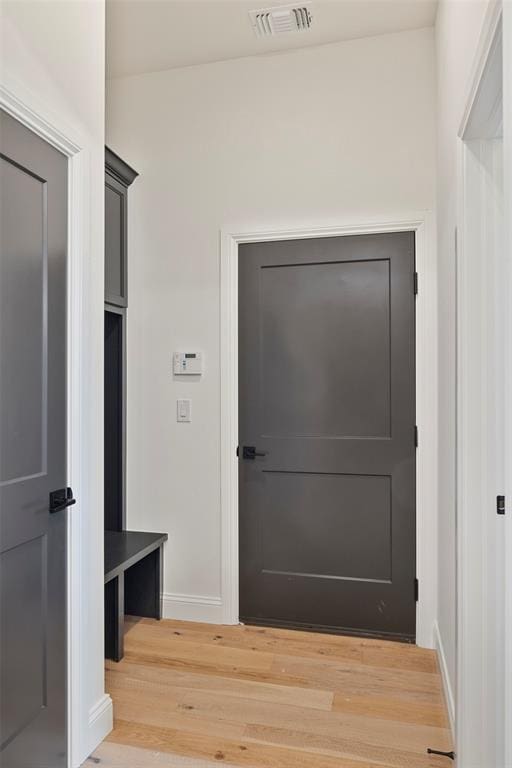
<point>133,582</point>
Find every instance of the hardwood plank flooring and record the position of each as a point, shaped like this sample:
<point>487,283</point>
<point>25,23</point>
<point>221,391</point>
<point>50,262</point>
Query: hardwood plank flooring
<point>273,698</point>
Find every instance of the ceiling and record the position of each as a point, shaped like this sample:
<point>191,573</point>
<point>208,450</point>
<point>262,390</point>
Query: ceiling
<point>151,35</point>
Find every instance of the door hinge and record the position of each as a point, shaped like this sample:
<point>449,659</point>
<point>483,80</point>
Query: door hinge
<point>500,505</point>
<point>238,450</point>
<point>416,437</point>
<point>416,280</point>
<point>416,590</point>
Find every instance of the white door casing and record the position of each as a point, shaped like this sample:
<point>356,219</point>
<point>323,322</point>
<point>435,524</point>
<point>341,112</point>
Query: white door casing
<point>422,223</point>
<point>87,726</point>
<point>483,347</point>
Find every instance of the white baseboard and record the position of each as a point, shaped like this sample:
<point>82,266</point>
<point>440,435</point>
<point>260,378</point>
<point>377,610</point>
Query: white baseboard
<point>447,686</point>
<point>193,608</point>
<point>101,722</point>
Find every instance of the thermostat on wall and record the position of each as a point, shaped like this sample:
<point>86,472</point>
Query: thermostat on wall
<point>188,363</point>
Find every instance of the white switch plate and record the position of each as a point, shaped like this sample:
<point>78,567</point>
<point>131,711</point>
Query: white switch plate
<point>183,410</point>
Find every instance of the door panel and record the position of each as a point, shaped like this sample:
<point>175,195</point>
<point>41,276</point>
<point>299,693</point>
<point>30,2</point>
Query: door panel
<point>33,245</point>
<point>24,271</point>
<point>318,550</point>
<point>327,393</point>
<point>361,387</point>
<point>23,585</point>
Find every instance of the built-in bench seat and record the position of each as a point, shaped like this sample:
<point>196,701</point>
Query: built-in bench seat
<point>133,582</point>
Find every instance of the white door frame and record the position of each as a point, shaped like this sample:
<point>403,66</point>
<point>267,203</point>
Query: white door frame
<point>74,147</point>
<point>481,119</point>
<point>422,224</point>
<point>507,183</point>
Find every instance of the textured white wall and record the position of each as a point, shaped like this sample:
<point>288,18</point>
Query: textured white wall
<point>52,56</point>
<point>458,30</point>
<point>318,136</point>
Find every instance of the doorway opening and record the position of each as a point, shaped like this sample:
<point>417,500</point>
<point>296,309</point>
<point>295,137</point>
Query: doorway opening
<point>422,233</point>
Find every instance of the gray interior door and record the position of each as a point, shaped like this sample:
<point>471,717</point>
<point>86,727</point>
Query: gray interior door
<point>327,396</point>
<point>33,245</point>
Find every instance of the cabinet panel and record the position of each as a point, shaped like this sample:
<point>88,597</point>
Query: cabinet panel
<point>115,242</point>
<point>115,419</point>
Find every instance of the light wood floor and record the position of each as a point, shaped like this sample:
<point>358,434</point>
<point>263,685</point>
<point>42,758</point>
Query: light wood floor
<point>273,698</point>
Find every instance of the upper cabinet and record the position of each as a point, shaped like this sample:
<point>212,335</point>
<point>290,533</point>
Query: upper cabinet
<point>118,177</point>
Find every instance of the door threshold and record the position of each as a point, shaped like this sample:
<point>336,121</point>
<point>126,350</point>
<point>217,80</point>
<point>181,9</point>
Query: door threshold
<point>327,630</point>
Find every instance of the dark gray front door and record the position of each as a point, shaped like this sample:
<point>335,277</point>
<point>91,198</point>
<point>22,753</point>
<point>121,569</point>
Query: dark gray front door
<point>327,394</point>
<point>33,245</point>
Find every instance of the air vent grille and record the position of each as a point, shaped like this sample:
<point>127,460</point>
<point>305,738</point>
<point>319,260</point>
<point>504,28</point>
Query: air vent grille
<point>281,19</point>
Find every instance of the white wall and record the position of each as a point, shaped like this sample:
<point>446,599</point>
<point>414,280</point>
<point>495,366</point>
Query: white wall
<point>52,59</point>
<point>458,29</point>
<point>326,135</point>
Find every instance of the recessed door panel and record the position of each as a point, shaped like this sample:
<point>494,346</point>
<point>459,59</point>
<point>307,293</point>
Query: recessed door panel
<point>330,338</point>
<point>351,513</point>
<point>23,327</point>
<point>23,637</point>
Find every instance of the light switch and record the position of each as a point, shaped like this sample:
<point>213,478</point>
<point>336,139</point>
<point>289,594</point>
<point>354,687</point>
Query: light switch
<point>183,410</point>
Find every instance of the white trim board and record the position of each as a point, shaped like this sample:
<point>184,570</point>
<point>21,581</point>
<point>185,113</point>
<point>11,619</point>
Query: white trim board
<point>26,108</point>
<point>507,183</point>
<point>101,721</point>
<point>472,120</point>
<point>480,450</point>
<point>445,677</point>
<point>192,608</point>
<point>422,223</point>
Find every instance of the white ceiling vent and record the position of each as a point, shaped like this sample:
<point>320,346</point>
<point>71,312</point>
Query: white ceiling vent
<point>281,19</point>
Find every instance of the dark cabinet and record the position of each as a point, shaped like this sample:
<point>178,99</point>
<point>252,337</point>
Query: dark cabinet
<point>133,559</point>
<point>118,177</point>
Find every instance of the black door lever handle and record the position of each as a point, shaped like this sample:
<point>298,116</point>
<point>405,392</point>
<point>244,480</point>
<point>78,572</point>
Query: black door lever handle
<point>250,452</point>
<point>61,499</point>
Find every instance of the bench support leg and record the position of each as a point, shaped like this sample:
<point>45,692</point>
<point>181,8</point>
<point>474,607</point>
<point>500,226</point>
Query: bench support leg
<point>143,586</point>
<point>114,618</point>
